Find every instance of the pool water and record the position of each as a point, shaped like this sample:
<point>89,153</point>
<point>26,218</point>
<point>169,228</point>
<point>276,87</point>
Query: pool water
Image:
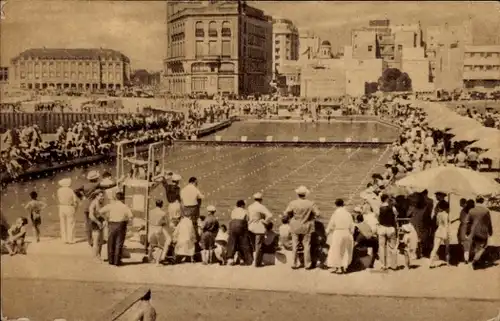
<point>281,131</point>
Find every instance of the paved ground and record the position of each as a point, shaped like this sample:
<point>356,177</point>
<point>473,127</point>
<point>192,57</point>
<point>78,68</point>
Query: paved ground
<point>74,263</point>
<point>41,300</point>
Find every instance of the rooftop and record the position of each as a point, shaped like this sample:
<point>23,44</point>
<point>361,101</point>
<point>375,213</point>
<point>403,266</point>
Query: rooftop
<point>71,54</point>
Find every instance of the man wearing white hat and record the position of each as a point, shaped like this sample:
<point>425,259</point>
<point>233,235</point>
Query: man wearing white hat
<point>258,217</point>
<point>302,213</point>
<point>85,192</point>
<point>68,201</point>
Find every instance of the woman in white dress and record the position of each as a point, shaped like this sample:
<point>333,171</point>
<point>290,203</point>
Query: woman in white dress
<point>185,239</point>
<point>340,230</point>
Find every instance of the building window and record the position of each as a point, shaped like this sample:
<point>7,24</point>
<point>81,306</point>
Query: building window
<point>226,48</point>
<point>212,29</point>
<point>370,48</point>
<point>400,47</point>
<point>199,49</point>
<point>226,29</point>
<point>199,84</point>
<point>199,31</point>
<point>212,48</point>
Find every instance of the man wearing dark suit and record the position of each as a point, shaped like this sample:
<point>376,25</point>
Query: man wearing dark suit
<point>481,230</point>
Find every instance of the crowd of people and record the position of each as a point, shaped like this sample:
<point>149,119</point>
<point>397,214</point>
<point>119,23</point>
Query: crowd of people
<point>490,118</point>
<point>385,222</point>
<point>23,148</point>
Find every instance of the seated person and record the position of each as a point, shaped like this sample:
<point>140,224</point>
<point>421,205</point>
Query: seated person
<point>319,248</point>
<point>271,240</point>
<point>17,234</point>
<point>221,244</point>
<point>285,237</point>
<point>364,236</point>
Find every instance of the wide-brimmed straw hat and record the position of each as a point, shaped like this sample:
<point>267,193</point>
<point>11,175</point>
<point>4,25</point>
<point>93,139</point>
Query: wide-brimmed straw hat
<point>211,208</point>
<point>176,177</point>
<point>257,196</point>
<point>93,175</point>
<point>302,190</point>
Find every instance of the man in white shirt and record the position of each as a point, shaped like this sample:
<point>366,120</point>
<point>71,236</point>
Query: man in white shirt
<point>191,198</point>
<point>118,215</point>
<point>68,201</point>
<point>259,216</point>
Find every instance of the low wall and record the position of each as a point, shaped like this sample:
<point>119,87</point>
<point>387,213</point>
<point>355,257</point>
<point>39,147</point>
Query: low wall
<point>259,143</point>
<point>49,122</point>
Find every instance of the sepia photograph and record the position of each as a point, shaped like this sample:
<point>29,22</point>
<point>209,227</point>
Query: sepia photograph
<point>224,160</point>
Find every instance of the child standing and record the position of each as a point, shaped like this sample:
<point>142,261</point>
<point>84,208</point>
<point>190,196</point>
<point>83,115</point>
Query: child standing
<point>410,243</point>
<point>17,234</point>
<point>34,208</point>
<point>208,233</point>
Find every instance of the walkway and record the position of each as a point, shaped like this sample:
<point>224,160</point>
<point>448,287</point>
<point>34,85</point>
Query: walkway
<point>52,260</point>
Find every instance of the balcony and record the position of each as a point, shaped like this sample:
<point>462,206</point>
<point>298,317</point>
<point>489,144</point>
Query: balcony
<point>482,75</point>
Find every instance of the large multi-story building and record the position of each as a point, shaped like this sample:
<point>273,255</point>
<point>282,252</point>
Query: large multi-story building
<point>416,65</point>
<point>444,49</point>
<point>81,69</point>
<point>218,47</point>
<point>285,42</point>
<point>308,43</point>
<point>324,75</point>
<point>382,40</point>
<point>481,70</point>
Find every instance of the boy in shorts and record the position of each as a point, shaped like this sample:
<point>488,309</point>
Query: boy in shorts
<point>34,208</point>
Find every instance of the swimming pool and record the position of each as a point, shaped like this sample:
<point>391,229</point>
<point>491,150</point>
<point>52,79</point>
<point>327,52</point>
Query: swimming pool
<point>229,173</point>
<point>285,131</point>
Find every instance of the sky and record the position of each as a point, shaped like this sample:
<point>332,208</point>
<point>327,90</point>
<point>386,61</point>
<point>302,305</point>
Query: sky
<point>137,28</point>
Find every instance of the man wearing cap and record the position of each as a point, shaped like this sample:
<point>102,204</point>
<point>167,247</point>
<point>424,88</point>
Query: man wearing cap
<point>302,213</point>
<point>258,217</point>
<point>68,201</point>
<point>85,194</point>
<point>191,198</point>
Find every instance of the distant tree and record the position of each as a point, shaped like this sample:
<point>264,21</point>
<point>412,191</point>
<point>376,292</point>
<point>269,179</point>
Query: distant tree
<point>403,83</point>
<point>370,88</point>
<point>393,79</point>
